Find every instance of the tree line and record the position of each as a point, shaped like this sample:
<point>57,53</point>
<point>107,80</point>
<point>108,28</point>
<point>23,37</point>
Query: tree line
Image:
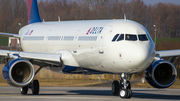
<point>165,16</point>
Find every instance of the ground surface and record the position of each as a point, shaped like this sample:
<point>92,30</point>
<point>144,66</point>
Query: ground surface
<point>88,94</point>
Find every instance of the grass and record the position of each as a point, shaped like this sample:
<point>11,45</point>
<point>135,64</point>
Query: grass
<point>87,83</point>
<point>4,41</point>
<point>176,85</point>
<point>160,40</point>
<point>63,83</point>
<point>69,83</point>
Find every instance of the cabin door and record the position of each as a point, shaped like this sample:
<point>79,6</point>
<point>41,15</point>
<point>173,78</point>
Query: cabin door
<point>107,30</point>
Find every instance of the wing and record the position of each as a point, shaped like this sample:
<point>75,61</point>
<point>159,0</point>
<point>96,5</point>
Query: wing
<point>41,59</point>
<point>168,53</point>
<point>9,35</point>
<point>172,54</point>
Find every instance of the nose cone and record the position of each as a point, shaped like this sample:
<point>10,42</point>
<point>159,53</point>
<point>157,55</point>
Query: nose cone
<point>139,56</point>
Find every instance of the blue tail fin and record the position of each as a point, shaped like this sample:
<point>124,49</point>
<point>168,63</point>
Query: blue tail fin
<point>32,11</point>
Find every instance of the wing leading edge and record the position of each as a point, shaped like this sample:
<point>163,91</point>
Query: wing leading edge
<point>168,53</point>
<point>171,54</point>
<point>10,35</point>
<point>36,58</point>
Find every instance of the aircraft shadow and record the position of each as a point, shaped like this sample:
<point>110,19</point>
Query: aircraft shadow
<point>156,96</point>
<point>136,94</point>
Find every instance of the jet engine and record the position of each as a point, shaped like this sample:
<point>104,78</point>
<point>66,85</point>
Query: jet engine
<point>161,74</point>
<point>18,72</point>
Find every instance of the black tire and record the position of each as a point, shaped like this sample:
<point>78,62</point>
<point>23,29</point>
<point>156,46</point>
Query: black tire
<point>24,90</point>
<point>129,95</point>
<point>35,87</point>
<point>115,88</point>
<point>123,93</point>
<point>129,85</point>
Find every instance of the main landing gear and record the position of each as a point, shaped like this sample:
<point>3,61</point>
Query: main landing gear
<point>34,86</point>
<point>122,87</point>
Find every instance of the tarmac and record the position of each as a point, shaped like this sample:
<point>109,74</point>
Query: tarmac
<point>88,94</point>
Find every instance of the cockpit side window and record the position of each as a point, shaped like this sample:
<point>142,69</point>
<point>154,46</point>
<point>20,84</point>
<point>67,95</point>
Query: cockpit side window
<point>143,37</point>
<point>115,37</point>
<point>131,37</point>
<point>121,37</point>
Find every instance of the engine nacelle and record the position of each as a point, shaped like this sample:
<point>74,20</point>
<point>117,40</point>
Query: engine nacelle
<point>161,74</point>
<point>18,72</point>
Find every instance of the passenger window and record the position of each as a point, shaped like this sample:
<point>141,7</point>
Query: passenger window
<point>115,37</point>
<point>131,37</point>
<point>143,37</point>
<point>121,37</point>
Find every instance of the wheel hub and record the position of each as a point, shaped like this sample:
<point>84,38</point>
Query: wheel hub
<point>122,93</point>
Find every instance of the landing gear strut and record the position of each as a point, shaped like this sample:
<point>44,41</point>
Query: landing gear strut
<point>34,86</point>
<point>122,87</point>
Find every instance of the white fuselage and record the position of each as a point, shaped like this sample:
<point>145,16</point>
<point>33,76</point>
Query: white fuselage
<point>91,43</point>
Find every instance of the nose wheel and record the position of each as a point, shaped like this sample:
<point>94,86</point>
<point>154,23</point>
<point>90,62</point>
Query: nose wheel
<point>122,87</point>
<point>115,88</point>
<point>125,93</point>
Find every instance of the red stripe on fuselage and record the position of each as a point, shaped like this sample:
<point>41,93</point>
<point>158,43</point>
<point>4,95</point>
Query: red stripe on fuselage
<point>29,5</point>
<point>88,31</point>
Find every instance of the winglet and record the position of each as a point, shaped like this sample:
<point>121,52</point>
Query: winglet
<point>32,11</point>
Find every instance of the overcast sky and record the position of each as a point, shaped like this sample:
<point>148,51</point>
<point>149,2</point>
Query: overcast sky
<point>163,1</point>
<point>153,1</point>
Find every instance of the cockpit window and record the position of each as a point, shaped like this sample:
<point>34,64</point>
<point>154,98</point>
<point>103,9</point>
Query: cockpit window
<point>121,37</point>
<point>115,37</point>
<point>131,37</point>
<point>143,37</point>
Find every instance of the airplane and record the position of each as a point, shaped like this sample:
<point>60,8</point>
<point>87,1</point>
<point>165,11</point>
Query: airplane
<point>117,46</point>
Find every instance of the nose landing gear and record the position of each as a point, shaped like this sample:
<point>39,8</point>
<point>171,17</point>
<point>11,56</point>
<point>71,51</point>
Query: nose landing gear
<point>122,87</point>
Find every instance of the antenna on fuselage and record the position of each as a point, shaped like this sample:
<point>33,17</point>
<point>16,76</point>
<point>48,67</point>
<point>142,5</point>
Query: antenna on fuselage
<point>18,39</point>
<point>155,29</point>
<point>59,18</point>
<point>125,17</point>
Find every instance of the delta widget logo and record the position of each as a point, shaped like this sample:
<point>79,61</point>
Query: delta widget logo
<point>29,32</point>
<point>95,30</point>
